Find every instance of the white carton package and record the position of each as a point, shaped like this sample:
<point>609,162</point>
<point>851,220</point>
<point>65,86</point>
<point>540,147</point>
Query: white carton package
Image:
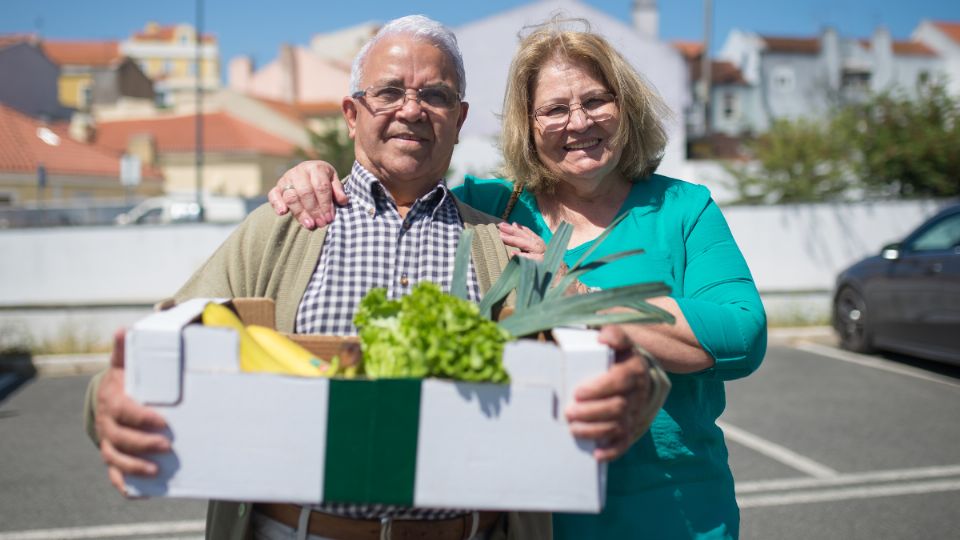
<point>426,443</point>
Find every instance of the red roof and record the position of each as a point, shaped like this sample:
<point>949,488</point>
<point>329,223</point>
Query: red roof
<point>792,45</point>
<point>721,72</point>
<point>13,39</point>
<point>164,33</point>
<point>690,50</point>
<point>951,29</point>
<point>912,48</point>
<point>82,53</point>
<point>221,133</point>
<point>22,150</point>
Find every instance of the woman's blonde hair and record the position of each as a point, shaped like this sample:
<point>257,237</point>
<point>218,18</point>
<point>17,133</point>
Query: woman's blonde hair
<point>641,132</point>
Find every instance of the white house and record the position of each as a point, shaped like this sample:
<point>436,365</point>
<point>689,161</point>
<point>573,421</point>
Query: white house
<point>943,37</point>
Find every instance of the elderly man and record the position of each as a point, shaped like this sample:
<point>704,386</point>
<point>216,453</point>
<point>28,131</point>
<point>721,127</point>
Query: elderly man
<point>401,227</point>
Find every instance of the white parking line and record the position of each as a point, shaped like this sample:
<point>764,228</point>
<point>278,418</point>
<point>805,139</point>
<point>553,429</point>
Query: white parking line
<point>107,531</point>
<point>915,488</point>
<point>775,451</point>
<point>895,475</point>
<point>874,362</point>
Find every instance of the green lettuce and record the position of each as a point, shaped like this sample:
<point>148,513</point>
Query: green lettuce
<point>429,333</point>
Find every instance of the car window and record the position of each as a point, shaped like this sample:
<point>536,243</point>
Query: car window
<point>943,235</point>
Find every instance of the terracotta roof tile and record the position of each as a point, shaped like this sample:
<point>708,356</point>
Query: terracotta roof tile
<point>221,133</point>
<point>13,39</point>
<point>792,45</point>
<point>22,150</point>
<point>721,72</point>
<point>951,29</point>
<point>690,50</point>
<point>82,53</point>
<point>912,48</point>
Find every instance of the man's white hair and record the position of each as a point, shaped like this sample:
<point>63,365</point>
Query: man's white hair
<point>420,27</point>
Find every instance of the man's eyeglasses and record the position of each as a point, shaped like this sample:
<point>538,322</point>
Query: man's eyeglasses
<point>556,116</point>
<point>389,98</point>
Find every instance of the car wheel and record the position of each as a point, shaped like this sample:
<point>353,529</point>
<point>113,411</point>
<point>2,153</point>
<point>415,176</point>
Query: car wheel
<point>851,321</point>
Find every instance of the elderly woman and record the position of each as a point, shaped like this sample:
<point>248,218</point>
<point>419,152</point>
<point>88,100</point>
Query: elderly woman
<point>582,136</point>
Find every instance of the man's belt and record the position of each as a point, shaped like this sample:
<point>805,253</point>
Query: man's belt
<point>339,527</point>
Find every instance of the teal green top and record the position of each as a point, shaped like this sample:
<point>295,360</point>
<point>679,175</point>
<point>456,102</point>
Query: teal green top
<point>675,481</point>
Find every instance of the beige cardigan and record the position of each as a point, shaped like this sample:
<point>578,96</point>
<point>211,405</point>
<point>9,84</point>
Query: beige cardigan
<point>274,257</point>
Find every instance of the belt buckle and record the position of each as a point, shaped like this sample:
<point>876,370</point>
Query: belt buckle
<point>386,526</point>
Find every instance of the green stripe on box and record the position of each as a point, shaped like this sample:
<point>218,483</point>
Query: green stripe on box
<point>372,441</point>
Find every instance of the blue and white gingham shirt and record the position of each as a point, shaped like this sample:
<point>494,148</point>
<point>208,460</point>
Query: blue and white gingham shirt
<point>369,245</point>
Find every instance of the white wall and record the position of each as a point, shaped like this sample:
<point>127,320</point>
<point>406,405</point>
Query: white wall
<point>48,276</point>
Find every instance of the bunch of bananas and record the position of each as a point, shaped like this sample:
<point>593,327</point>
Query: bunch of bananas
<point>265,350</point>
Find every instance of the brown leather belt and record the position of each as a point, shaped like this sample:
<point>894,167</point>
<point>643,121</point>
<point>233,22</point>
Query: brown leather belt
<point>344,528</point>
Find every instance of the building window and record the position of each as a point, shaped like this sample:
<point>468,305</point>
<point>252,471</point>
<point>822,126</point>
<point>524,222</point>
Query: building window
<point>729,105</point>
<point>167,67</point>
<point>192,69</point>
<point>85,96</point>
<point>923,79</point>
<point>783,79</point>
<point>7,198</point>
<point>855,80</point>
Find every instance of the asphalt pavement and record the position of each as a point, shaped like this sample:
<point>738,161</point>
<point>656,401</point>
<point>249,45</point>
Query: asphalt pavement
<point>823,443</point>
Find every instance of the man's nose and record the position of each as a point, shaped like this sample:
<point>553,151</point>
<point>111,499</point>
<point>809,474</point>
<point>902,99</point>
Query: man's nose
<point>411,108</point>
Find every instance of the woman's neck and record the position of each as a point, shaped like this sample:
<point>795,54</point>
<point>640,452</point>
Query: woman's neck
<point>589,211</point>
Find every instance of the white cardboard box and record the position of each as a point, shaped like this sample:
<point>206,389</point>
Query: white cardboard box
<point>264,437</point>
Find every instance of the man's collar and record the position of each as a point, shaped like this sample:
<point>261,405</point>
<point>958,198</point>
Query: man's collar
<point>370,189</point>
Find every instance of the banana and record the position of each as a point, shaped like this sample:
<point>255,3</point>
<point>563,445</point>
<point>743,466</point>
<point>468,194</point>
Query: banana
<point>253,357</point>
<point>294,359</point>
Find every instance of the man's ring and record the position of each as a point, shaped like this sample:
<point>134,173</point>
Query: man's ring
<point>286,187</point>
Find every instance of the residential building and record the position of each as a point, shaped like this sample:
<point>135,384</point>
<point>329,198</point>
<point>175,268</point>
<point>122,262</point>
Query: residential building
<point>944,38</point>
<point>808,76</point>
<point>732,99</point>
<point>296,76</point>
<point>96,73</point>
<point>168,55</point>
<point>488,45</point>
<point>239,158</point>
<point>41,162</point>
<point>29,78</point>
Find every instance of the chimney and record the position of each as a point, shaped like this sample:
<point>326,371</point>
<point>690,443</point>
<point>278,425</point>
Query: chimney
<point>288,73</point>
<point>240,73</point>
<point>830,52</point>
<point>881,47</point>
<point>646,19</point>
<point>143,145</point>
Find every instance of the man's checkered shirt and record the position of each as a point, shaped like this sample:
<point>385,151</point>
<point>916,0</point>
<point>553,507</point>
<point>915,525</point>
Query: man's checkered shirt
<point>369,245</point>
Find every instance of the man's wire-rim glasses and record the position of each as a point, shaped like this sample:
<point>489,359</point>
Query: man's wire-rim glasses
<point>389,98</point>
<point>555,116</point>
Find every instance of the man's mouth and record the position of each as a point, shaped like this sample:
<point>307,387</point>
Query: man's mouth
<point>582,145</point>
<point>408,137</point>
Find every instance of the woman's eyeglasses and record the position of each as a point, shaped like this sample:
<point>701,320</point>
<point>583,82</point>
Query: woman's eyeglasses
<point>556,116</point>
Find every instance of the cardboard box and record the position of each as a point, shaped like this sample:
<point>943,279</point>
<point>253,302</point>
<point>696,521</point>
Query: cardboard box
<point>427,443</point>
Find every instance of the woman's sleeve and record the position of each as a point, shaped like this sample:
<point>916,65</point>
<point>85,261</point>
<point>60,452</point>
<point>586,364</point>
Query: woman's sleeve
<point>489,195</point>
<point>720,300</point>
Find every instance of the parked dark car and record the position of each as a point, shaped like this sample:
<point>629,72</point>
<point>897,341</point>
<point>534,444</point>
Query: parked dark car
<point>907,298</point>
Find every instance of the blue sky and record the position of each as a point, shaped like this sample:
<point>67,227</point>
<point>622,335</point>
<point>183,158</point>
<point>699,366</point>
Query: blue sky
<point>259,27</point>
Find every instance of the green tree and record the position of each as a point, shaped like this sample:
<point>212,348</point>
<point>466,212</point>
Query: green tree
<point>795,161</point>
<point>906,147</point>
<point>889,145</point>
<point>330,144</point>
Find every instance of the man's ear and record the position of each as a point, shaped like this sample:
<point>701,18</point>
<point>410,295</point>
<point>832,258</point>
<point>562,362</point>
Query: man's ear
<point>464,107</point>
<point>349,108</point>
